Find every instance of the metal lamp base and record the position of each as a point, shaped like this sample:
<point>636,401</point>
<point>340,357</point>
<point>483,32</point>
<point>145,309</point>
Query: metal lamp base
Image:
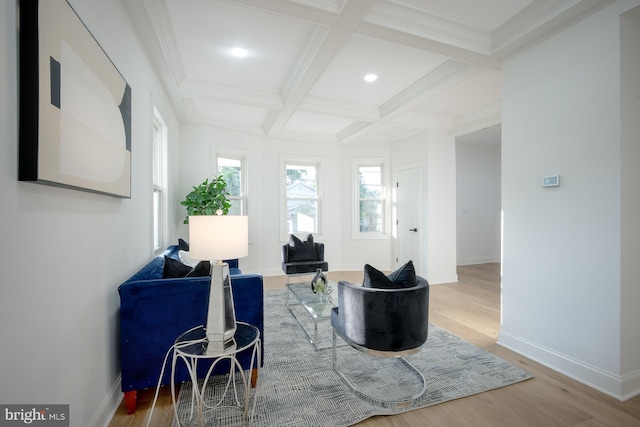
<point>221,317</point>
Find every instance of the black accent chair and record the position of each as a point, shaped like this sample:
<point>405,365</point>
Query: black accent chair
<point>390,323</point>
<point>300,268</point>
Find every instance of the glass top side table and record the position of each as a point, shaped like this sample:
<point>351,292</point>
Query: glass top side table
<point>192,346</point>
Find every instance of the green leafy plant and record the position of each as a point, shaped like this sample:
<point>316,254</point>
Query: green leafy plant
<point>319,286</point>
<point>207,198</point>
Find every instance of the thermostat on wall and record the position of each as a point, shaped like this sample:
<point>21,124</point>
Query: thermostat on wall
<point>551,181</point>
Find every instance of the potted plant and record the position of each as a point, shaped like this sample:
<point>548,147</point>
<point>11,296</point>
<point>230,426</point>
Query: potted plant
<point>207,199</point>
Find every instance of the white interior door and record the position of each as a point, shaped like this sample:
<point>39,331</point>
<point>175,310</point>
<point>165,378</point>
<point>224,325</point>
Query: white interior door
<point>408,218</point>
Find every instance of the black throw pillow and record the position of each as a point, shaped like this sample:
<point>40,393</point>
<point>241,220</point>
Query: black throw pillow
<point>174,268</point>
<point>302,250</point>
<point>374,278</point>
<point>203,268</point>
<point>404,277</point>
<point>183,245</point>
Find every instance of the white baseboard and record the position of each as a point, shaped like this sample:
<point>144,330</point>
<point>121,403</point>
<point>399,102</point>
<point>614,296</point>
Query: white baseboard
<point>474,261</point>
<point>619,387</point>
<point>442,279</point>
<point>630,385</point>
<point>108,407</point>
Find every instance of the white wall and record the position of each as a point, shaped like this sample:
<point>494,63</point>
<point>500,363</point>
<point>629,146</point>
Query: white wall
<point>561,282</point>
<point>434,152</point>
<point>201,143</point>
<point>478,203</point>
<point>66,251</point>
<point>630,155</point>
<point>264,165</point>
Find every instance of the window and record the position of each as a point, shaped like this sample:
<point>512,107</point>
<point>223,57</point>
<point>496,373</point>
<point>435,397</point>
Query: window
<point>158,142</point>
<point>302,197</point>
<point>232,170</point>
<point>370,198</point>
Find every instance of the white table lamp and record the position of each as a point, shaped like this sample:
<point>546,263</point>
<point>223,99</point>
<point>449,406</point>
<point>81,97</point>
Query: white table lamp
<point>216,238</point>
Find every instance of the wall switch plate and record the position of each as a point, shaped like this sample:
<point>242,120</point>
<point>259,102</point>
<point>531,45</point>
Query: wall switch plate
<point>551,181</point>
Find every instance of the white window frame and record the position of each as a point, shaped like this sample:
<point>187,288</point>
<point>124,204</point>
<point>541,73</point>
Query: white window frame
<point>300,161</point>
<point>244,207</point>
<point>159,183</point>
<point>384,164</point>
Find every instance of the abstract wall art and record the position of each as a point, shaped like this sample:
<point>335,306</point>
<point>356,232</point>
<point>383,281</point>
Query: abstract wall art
<point>75,106</point>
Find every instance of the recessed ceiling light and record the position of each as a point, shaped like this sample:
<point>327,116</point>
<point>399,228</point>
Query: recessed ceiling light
<point>370,78</point>
<point>238,52</point>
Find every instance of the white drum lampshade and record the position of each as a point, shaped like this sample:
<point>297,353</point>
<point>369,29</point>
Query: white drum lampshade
<point>216,238</point>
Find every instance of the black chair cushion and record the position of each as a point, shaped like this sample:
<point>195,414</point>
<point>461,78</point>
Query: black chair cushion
<point>302,257</point>
<point>304,267</point>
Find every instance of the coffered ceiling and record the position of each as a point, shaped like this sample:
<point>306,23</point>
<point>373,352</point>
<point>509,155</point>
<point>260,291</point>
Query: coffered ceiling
<point>302,76</point>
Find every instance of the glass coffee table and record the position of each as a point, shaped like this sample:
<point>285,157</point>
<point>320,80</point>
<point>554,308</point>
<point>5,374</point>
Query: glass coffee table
<point>316,306</point>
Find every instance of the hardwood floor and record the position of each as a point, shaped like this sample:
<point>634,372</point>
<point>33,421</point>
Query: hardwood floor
<point>471,310</point>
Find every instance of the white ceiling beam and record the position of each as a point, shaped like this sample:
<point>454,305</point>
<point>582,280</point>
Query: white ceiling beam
<point>293,10</point>
<point>195,117</point>
<point>428,26</point>
<point>426,44</point>
<point>197,89</point>
<point>347,22</point>
<point>308,136</point>
<point>445,76</point>
<point>335,107</point>
<point>416,120</point>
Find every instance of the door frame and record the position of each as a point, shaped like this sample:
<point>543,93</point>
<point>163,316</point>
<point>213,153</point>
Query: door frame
<point>394,219</point>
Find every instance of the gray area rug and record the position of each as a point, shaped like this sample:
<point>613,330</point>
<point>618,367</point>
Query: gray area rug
<point>297,386</point>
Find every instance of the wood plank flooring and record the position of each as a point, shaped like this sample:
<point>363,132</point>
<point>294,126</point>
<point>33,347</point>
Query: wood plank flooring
<point>469,309</point>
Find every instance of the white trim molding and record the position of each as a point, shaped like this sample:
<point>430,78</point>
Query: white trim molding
<point>620,387</point>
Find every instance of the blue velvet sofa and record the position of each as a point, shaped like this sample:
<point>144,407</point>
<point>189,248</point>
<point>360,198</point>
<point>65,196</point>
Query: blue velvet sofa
<point>155,311</point>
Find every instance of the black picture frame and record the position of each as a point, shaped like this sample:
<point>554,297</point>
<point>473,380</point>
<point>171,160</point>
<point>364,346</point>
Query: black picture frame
<point>75,106</point>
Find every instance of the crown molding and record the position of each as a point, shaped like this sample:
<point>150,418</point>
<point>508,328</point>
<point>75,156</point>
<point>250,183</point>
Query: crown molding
<point>307,137</point>
<point>332,6</point>
<point>203,119</point>
<point>385,136</point>
<point>197,89</point>
<point>416,120</point>
<point>158,15</point>
<point>541,18</point>
<point>430,27</point>
<point>312,11</point>
<point>334,107</point>
<point>147,28</point>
